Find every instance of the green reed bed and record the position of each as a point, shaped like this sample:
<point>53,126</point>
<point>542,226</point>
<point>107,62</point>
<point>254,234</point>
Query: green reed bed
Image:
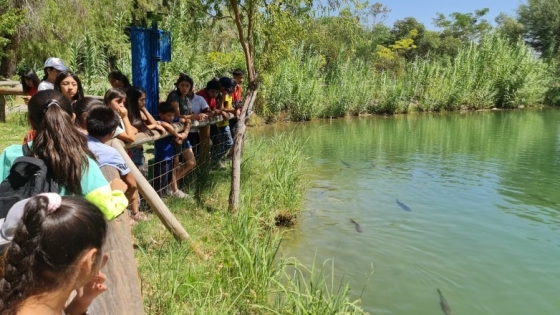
<point>492,73</point>
<point>244,274</point>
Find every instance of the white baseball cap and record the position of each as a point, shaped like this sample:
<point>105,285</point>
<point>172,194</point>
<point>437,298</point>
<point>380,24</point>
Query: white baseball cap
<point>56,63</point>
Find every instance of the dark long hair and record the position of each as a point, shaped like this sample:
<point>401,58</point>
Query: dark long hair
<point>29,74</point>
<point>184,77</point>
<point>46,246</point>
<point>117,75</point>
<point>112,94</point>
<point>57,141</point>
<point>133,95</point>
<point>65,74</point>
<point>83,106</point>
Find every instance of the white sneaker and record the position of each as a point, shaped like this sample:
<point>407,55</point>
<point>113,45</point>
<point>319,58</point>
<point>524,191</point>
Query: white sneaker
<point>178,194</point>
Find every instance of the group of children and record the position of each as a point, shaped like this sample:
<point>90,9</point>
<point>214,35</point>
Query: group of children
<point>55,244</point>
<point>174,156</point>
<point>68,132</point>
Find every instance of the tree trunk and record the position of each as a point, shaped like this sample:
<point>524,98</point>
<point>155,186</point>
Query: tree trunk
<point>237,150</point>
<point>247,45</point>
<point>8,63</point>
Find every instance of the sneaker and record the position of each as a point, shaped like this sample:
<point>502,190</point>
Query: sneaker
<point>137,217</point>
<point>178,194</point>
<point>221,165</point>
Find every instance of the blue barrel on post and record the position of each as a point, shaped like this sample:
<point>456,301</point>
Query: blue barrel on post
<point>149,47</point>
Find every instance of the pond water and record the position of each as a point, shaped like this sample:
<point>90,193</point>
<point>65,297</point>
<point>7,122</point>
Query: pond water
<point>483,190</point>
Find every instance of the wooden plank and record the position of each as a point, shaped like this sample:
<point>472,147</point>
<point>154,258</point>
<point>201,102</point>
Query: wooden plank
<point>155,202</point>
<point>9,83</point>
<point>123,294</point>
<point>11,91</point>
<point>141,138</point>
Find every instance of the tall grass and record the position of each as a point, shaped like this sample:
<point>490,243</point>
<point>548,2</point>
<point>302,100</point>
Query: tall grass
<point>492,73</point>
<point>245,274</point>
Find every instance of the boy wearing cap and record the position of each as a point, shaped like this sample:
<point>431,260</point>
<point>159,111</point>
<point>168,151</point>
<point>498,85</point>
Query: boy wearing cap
<point>53,66</point>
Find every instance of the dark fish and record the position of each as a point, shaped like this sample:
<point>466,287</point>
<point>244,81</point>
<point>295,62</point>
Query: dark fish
<point>443,304</point>
<point>403,206</point>
<point>358,227</point>
<point>345,163</point>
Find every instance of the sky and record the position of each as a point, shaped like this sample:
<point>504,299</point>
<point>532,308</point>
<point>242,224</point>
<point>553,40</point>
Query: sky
<point>425,10</point>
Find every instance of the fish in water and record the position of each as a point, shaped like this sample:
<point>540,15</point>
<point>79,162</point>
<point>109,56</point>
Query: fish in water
<point>345,163</point>
<point>403,206</point>
<point>443,303</point>
<point>358,227</point>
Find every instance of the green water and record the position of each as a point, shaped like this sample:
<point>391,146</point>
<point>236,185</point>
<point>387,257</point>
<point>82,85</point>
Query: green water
<point>484,225</point>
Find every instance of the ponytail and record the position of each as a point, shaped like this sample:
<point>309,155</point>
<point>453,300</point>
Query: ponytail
<point>57,141</point>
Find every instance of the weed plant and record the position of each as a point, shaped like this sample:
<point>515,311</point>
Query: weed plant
<point>245,273</point>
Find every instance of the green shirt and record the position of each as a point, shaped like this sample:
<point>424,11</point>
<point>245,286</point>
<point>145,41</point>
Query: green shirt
<point>95,187</point>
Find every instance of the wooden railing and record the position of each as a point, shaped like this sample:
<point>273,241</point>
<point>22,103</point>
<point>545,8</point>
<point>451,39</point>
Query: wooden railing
<point>14,88</point>
<point>8,88</point>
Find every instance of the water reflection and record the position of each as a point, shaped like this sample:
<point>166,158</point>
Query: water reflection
<point>483,189</point>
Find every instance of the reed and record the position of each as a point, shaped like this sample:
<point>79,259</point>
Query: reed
<point>491,73</point>
<point>245,273</point>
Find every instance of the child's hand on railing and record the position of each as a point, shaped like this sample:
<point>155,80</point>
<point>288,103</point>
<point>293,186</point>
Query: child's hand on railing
<point>118,184</point>
<point>201,117</point>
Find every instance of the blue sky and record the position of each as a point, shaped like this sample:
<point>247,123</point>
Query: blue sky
<point>425,10</point>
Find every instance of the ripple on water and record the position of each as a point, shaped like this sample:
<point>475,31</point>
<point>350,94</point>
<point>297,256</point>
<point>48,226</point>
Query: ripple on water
<point>485,211</point>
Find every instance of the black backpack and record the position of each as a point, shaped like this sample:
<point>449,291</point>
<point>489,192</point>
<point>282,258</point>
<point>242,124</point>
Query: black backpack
<point>29,176</point>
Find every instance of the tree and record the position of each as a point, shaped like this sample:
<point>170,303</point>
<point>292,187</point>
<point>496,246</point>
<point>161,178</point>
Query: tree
<point>402,29</point>
<point>10,20</point>
<point>509,27</point>
<point>247,14</point>
<point>467,27</point>
<point>541,23</point>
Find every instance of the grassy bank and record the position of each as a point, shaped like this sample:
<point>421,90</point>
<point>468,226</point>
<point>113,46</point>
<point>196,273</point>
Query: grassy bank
<point>244,274</point>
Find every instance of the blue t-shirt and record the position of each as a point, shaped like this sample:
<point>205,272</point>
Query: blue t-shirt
<point>163,148</point>
<point>107,155</point>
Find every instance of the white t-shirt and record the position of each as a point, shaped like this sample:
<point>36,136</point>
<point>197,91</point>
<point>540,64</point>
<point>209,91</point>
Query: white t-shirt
<point>119,129</point>
<point>198,104</point>
<point>45,85</point>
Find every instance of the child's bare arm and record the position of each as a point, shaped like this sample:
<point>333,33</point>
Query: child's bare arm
<point>157,127</point>
<point>129,131</point>
<point>169,128</point>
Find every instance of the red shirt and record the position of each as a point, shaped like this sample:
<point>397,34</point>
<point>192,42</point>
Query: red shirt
<point>211,101</point>
<point>32,91</point>
<point>236,96</point>
<point>29,137</point>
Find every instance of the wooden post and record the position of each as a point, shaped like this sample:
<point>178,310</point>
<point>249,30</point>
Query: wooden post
<point>2,108</point>
<point>7,88</point>
<point>204,150</point>
<point>237,150</point>
<point>155,202</point>
<point>123,294</point>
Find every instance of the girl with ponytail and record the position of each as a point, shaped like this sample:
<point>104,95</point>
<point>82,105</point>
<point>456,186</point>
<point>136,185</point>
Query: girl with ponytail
<point>64,149</point>
<point>56,248</point>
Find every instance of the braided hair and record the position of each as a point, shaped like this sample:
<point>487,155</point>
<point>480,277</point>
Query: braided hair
<point>46,246</point>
